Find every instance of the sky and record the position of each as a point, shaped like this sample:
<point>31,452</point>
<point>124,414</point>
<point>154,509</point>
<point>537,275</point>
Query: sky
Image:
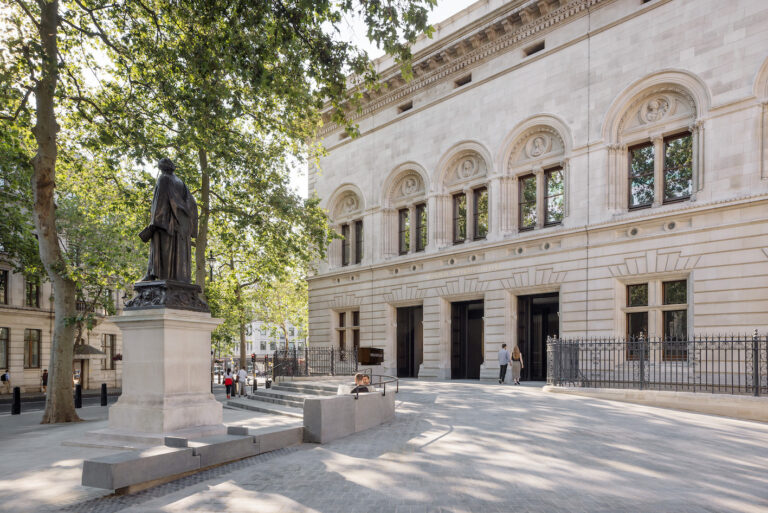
<point>353,30</point>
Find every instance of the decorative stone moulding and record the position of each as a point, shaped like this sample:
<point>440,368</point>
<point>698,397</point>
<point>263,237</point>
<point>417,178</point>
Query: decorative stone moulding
<point>509,30</point>
<point>167,294</point>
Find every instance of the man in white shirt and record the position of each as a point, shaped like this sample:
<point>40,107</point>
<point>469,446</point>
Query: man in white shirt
<point>504,359</point>
<point>242,378</point>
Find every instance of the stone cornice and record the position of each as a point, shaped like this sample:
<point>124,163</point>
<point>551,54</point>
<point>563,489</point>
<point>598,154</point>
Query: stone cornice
<point>503,32</point>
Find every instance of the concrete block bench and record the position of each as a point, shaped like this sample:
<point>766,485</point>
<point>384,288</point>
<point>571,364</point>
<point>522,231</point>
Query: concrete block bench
<point>330,418</point>
<point>132,471</point>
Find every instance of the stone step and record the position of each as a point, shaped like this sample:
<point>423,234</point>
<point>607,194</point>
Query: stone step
<point>278,398</point>
<point>263,407</point>
<point>306,388</point>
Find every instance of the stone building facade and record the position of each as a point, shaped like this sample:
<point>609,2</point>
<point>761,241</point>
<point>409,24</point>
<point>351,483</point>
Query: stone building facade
<point>554,168</point>
<point>26,330</point>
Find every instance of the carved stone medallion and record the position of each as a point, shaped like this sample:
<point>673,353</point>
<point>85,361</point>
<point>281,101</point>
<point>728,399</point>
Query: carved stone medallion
<point>538,145</point>
<point>654,109</point>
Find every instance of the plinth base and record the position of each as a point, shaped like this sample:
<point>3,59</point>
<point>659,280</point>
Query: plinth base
<point>166,372</point>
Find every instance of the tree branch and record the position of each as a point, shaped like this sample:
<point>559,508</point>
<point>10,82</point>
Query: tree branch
<point>21,106</point>
<point>28,13</point>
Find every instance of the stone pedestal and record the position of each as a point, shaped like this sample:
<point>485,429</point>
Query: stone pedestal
<point>166,372</point>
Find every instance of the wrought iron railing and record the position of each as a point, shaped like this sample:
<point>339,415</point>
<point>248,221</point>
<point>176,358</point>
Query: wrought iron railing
<point>314,361</point>
<point>727,365</point>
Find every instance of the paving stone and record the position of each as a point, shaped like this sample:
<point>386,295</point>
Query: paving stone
<point>490,448</point>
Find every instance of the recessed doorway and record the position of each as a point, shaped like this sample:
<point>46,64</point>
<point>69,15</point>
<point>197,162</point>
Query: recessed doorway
<point>466,339</point>
<point>538,318</point>
<point>410,341</point>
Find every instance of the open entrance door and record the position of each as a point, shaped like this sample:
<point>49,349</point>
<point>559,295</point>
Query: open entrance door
<point>466,339</point>
<point>410,348</point>
<point>538,318</point>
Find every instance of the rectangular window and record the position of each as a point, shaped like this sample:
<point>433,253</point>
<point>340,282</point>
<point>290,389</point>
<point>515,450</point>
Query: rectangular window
<point>466,79</point>
<point>31,349</point>
<point>480,212</point>
<point>536,48</point>
<point>641,176</point>
<point>108,344</point>
<point>421,227</point>
<point>356,318</point>
<point>553,202</point>
<point>637,295</point>
<point>32,293</point>
<point>675,329</point>
<point>4,276</point>
<point>345,244</point>
<point>527,185</point>
<point>263,345</point>
<point>342,340</point>
<point>637,322</point>
<point>356,339</point>
<point>5,335</point>
<point>459,218</point>
<point>342,319</point>
<point>678,167</point>
<point>404,231</point>
<point>359,241</point>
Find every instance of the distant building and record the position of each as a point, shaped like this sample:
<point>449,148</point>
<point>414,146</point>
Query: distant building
<point>265,339</point>
<point>26,330</point>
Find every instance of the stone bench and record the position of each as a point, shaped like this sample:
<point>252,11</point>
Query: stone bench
<point>330,418</point>
<point>131,471</point>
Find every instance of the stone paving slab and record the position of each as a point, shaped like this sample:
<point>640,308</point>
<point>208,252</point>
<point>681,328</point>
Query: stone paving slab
<point>477,447</point>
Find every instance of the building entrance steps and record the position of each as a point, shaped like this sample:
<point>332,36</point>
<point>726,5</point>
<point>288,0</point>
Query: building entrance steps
<point>284,398</point>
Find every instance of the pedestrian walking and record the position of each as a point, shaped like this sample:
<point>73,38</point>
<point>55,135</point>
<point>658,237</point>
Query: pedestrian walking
<point>517,364</point>
<point>5,378</point>
<point>503,362</point>
<point>229,380</point>
<point>44,381</point>
<point>242,379</point>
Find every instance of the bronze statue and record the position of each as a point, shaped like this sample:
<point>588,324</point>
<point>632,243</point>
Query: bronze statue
<point>171,228</point>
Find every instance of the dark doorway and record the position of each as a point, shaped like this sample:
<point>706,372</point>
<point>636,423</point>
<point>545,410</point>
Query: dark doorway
<point>466,339</point>
<point>538,318</point>
<point>410,348</point>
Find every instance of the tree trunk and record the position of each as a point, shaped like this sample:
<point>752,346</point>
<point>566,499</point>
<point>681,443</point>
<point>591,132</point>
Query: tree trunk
<point>201,243</point>
<point>285,334</point>
<point>59,406</point>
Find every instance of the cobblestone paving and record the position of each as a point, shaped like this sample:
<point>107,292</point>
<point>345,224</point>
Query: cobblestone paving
<point>469,447</point>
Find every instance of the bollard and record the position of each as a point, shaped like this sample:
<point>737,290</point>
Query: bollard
<point>16,405</point>
<point>255,384</point>
<point>268,383</point>
<point>103,394</point>
<point>78,396</point>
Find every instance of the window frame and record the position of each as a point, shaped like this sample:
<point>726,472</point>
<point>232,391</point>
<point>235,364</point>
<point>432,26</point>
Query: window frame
<point>547,173</point>
<point>5,344</point>
<point>345,245</point>
<point>5,281</point>
<point>27,292</point>
<point>422,240</point>
<point>347,327</point>
<point>403,231</point>
<point>456,200</point>
<point>673,137</point>
<point>520,179</point>
<point>359,239</point>
<point>477,192</point>
<point>27,346</point>
<point>630,149</point>
<point>108,347</point>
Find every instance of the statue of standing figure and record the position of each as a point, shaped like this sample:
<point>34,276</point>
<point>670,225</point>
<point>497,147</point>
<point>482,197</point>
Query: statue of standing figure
<point>172,226</point>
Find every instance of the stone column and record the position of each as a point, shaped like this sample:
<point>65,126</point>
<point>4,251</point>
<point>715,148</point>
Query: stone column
<point>166,372</point>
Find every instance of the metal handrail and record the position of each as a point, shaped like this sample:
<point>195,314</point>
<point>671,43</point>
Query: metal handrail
<point>382,383</point>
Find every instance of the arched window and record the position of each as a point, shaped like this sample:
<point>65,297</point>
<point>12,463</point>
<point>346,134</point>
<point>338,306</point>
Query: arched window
<point>655,142</point>
<point>463,200</point>
<point>347,217</point>
<point>535,189</point>
<point>405,211</point>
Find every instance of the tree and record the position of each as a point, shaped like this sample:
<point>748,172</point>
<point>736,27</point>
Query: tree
<point>203,80</point>
<point>283,301</point>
